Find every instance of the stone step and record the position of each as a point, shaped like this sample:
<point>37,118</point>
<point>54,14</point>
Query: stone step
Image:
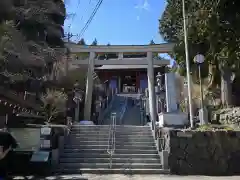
<point>111,171</point>
<point>117,151</point>
<point>106,139</point>
<point>147,138</point>
<point>106,155</point>
<point>89,136</point>
<point>100,146</point>
<point>106,160</point>
<point>107,130</point>
<point>100,127</point>
<point>148,133</point>
<point>114,165</point>
<point>117,127</point>
<point>74,142</point>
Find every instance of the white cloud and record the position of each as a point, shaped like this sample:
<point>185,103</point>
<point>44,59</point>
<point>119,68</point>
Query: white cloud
<point>143,5</point>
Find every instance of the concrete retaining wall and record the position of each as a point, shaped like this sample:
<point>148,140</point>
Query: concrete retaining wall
<point>202,153</point>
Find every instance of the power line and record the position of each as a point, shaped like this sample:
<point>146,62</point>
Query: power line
<point>87,23</point>
<point>91,17</point>
<point>86,9</point>
<point>73,15</point>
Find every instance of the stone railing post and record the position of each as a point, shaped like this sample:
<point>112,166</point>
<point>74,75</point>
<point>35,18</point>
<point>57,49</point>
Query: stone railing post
<point>164,159</point>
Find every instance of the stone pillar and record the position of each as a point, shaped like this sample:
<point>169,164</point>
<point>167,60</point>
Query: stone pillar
<point>77,98</point>
<point>151,90</point>
<point>164,159</point>
<point>120,55</point>
<point>171,96</point>
<point>119,84</point>
<point>137,82</point>
<point>89,87</point>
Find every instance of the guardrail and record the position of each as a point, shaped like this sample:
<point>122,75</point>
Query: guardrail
<point>112,138</point>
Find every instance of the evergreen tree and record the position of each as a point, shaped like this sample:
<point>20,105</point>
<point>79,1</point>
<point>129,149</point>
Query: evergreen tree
<point>81,42</point>
<point>94,43</point>
<point>152,42</point>
<point>214,31</point>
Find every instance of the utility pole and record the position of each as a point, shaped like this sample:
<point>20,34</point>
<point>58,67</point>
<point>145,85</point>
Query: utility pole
<point>68,53</point>
<point>187,65</point>
<point>77,97</point>
<point>69,36</point>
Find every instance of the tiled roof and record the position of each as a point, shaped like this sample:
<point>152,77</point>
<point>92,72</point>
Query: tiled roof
<point>123,67</point>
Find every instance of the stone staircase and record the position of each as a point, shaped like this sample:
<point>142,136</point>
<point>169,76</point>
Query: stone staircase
<point>132,115</point>
<point>85,151</point>
<point>117,105</point>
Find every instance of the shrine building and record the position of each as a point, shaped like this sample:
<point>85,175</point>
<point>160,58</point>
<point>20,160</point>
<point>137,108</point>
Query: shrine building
<point>126,78</point>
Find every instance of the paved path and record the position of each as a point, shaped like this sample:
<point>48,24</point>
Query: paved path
<point>134,177</point>
<point>155,177</point>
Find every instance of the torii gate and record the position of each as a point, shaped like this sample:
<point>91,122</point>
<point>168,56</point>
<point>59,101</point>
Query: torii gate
<point>120,50</point>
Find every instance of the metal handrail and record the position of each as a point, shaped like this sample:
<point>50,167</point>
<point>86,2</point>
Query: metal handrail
<point>123,109</point>
<point>112,138</point>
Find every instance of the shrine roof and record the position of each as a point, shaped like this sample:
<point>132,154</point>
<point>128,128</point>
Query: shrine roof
<point>123,67</point>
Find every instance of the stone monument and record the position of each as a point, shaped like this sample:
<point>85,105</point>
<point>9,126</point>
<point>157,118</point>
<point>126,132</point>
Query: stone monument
<point>173,117</point>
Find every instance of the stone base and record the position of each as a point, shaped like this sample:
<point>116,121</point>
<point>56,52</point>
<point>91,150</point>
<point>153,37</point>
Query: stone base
<point>175,119</point>
<point>203,116</point>
<point>85,122</point>
<point>55,158</point>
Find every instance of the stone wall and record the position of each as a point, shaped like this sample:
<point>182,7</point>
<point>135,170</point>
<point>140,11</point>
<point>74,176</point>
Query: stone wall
<point>202,153</point>
<point>228,116</point>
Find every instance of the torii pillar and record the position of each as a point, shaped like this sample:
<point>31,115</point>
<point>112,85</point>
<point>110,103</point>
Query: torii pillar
<point>151,91</point>
<point>89,87</point>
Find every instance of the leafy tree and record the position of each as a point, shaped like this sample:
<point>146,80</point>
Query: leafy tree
<point>81,42</point>
<point>30,35</point>
<point>94,43</point>
<point>108,44</point>
<point>54,103</point>
<point>213,30</point>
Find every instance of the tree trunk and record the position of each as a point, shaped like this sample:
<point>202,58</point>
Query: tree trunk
<point>226,87</point>
<point>211,76</point>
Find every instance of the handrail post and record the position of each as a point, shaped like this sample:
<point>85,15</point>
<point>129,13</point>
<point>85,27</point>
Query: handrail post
<point>111,138</point>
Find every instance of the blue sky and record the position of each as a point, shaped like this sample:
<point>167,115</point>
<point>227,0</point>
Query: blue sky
<point>117,21</point>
